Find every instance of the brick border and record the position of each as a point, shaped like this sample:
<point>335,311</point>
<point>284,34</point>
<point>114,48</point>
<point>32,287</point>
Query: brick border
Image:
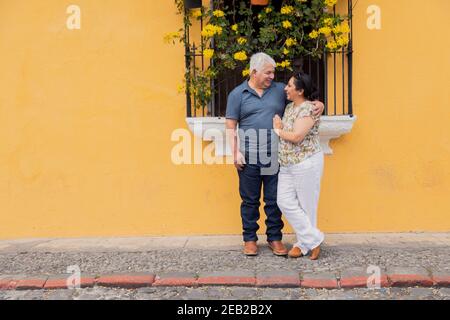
<point>409,277</point>
<point>176,279</point>
<point>228,278</point>
<point>60,282</point>
<point>277,279</point>
<point>320,280</point>
<point>128,281</point>
<point>280,279</point>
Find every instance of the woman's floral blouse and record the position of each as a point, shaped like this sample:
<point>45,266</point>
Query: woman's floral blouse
<point>293,153</point>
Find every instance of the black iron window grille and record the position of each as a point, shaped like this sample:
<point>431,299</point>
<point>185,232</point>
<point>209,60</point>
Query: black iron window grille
<point>332,75</point>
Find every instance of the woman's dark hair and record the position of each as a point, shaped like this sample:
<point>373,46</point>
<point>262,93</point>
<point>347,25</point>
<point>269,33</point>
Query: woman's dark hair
<point>302,81</point>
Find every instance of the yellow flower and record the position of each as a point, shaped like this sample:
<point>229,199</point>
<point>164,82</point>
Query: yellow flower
<point>314,34</point>
<point>342,28</point>
<point>345,28</point>
<point>325,30</point>
<point>218,13</point>
<point>284,64</point>
<point>287,9</point>
<point>332,45</point>
<point>342,41</point>
<point>268,10</point>
<point>171,36</point>
<point>210,30</point>
<point>208,53</point>
<point>287,24</point>
<point>290,42</point>
<point>197,13</point>
<point>328,21</point>
<point>286,51</point>
<point>240,55</point>
<point>245,72</point>
<point>330,3</point>
<point>241,40</point>
<point>234,27</point>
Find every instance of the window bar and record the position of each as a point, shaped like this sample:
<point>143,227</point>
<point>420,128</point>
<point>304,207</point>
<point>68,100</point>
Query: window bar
<point>309,66</point>
<point>187,58</point>
<point>318,75</point>
<point>195,99</point>
<point>343,80</point>
<point>235,78</point>
<point>226,79</point>
<point>350,59</point>
<point>334,71</point>
<point>335,81</point>
<point>219,94</point>
<point>212,103</point>
<point>202,47</point>
<point>325,80</point>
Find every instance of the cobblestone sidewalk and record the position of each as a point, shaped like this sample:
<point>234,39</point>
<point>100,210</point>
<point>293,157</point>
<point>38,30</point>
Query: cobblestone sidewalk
<point>341,260</point>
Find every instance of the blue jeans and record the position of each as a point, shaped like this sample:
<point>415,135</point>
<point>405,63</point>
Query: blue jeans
<point>250,183</point>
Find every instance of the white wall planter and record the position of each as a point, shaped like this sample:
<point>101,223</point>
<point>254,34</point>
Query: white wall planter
<point>213,129</point>
<point>332,127</point>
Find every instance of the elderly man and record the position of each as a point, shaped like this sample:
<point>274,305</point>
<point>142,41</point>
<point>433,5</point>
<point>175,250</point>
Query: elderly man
<point>252,105</point>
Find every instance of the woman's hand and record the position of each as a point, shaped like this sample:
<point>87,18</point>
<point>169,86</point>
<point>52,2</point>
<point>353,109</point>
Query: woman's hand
<point>277,123</point>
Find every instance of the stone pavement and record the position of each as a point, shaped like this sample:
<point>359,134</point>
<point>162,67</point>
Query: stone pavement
<point>406,266</point>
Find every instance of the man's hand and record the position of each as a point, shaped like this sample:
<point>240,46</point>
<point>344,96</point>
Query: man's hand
<point>318,108</point>
<point>239,161</point>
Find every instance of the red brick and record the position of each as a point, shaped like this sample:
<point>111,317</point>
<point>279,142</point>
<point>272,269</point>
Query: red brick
<point>5,283</point>
<point>319,283</point>
<point>410,280</point>
<point>227,279</point>
<point>31,283</point>
<point>441,281</point>
<point>323,280</point>
<point>60,282</point>
<point>175,279</point>
<point>278,279</point>
<point>361,282</point>
<point>126,280</point>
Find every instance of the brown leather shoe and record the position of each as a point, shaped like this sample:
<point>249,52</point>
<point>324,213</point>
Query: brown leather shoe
<point>250,248</point>
<point>295,252</point>
<point>278,248</point>
<point>315,253</point>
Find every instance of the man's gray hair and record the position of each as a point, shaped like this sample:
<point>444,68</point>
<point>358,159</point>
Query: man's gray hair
<point>259,60</point>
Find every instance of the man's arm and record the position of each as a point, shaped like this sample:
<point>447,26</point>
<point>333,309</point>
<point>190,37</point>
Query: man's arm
<point>318,108</point>
<point>238,158</point>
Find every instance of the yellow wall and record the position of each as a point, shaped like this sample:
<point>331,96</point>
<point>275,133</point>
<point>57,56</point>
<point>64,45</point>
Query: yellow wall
<point>86,118</point>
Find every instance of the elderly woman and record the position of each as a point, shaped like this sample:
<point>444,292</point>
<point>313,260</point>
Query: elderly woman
<point>301,166</point>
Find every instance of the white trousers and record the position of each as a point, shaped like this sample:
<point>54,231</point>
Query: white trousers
<point>298,199</point>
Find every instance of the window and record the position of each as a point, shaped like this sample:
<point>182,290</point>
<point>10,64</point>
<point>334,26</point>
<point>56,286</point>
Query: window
<point>332,74</point>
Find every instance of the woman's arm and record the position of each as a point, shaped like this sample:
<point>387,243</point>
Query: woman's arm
<point>301,128</point>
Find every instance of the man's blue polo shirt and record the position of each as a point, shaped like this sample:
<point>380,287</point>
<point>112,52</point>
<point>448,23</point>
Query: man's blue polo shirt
<point>255,114</point>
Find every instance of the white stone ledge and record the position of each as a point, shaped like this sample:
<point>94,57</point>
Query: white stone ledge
<point>213,129</point>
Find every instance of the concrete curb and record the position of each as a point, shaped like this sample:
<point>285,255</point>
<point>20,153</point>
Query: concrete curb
<point>225,242</point>
<point>398,277</point>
